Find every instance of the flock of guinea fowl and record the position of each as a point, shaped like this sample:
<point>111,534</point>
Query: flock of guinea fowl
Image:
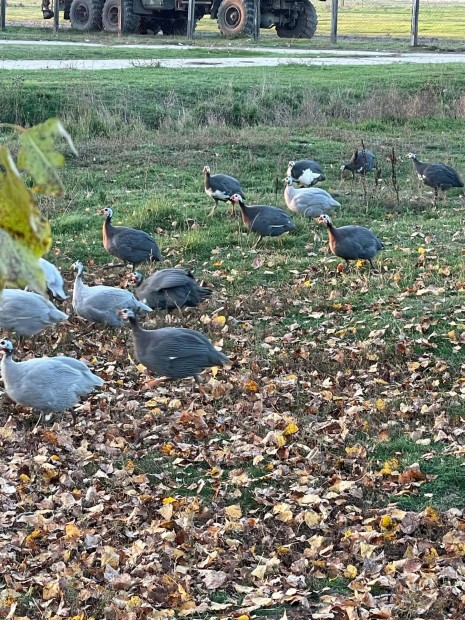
<point>54,384</point>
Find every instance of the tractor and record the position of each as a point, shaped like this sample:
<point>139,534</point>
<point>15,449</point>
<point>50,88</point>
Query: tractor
<point>291,18</point>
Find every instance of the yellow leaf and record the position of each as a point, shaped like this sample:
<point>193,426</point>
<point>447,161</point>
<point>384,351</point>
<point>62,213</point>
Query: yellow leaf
<point>421,250</point>
<point>350,571</point>
<point>168,500</point>
<point>73,533</point>
<point>380,404</point>
<point>51,590</point>
<point>366,549</point>
<point>219,320</point>
<point>291,428</point>
<point>166,511</point>
<point>389,467</point>
<point>234,511</point>
<point>359,262</point>
<point>386,521</point>
<point>39,158</point>
<point>311,518</point>
<point>24,478</point>
<point>243,617</point>
<point>141,368</point>
<point>175,403</point>
<point>135,601</point>
<point>251,386</point>
<point>280,440</point>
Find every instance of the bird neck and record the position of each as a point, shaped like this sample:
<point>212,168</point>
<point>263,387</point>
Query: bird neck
<point>136,328</point>
<point>207,180</point>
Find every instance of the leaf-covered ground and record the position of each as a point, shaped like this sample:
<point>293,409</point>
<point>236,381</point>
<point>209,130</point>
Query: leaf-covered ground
<point>321,476</point>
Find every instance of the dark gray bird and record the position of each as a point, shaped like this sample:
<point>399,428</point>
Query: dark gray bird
<point>352,242</point>
<point>308,201</point>
<point>173,352</point>
<point>129,244</point>
<point>168,289</point>
<point>438,176</point>
<point>362,161</point>
<point>264,220</point>
<point>221,187</point>
<point>305,172</point>
<point>48,384</point>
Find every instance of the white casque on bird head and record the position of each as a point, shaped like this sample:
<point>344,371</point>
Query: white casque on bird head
<point>206,169</point>
<point>126,314</point>
<point>324,219</point>
<point>411,155</point>
<point>291,164</point>
<point>6,346</point>
<point>78,266</point>
<point>235,198</point>
<point>107,212</point>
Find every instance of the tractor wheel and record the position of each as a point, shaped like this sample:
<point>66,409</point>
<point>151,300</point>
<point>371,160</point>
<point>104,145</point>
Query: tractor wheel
<point>236,18</point>
<point>110,17</point>
<point>86,15</point>
<point>301,24</point>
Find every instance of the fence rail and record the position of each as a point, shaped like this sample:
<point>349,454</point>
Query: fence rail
<point>415,20</point>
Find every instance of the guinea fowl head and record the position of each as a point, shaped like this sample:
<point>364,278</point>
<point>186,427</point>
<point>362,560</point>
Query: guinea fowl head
<point>206,169</point>
<point>235,198</point>
<point>411,155</point>
<point>324,219</point>
<point>343,167</point>
<point>126,314</point>
<point>288,180</point>
<point>291,164</point>
<point>6,346</point>
<point>136,277</point>
<point>107,212</point>
<point>78,266</point>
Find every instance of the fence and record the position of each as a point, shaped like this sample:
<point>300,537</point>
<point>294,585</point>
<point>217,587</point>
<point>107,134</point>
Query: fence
<point>374,19</point>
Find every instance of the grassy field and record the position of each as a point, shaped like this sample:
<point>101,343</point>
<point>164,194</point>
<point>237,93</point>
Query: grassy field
<point>323,473</point>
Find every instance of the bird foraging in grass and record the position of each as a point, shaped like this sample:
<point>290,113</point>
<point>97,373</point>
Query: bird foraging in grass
<point>311,201</point>
<point>168,289</point>
<point>221,187</point>
<point>131,245</point>
<point>265,220</point>
<point>351,242</point>
<point>362,162</point>
<point>438,176</point>
<point>305,172</point>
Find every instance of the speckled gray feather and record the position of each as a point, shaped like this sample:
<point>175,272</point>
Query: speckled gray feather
<point>27,313</point>
<point>311,201</point>
<point>53,279</point>
<point>101,304</point>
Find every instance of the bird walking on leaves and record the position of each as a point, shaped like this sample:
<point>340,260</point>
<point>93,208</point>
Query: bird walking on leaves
<point>221,187</point>
<point>352,242</point>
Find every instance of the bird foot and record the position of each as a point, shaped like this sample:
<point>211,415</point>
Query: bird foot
<point>152,383</point>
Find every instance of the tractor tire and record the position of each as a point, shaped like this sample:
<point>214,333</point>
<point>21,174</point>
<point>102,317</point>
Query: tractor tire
<point>86,15</point>
<point>302,23</point>
<point>236,18</point>
<point>110,17</point>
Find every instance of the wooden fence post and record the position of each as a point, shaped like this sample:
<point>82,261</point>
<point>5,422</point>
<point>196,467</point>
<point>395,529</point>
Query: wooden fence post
<point>56,15</point>
<point>414,27</point>
<point>3,13</point>
<point>120,18</point>
<point>190,19</point>
<point>256,19</point>
<point>334,12</point>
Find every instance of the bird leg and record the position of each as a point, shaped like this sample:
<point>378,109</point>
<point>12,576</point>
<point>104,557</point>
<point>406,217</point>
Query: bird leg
<point>113,266</point>
<point>214,208</point>
<point>255,244</point>
<point>346,268</point>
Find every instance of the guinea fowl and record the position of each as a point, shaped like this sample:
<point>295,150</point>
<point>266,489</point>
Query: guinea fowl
<point>439,176</point>
<point>311,201</point>
<point>352,242</point>
<point>53,279</point>
<point>305,172</point>
<point>264,220</point>
<point>168,289</point>
<point>362,161</point>
<point>129,244</point>
<point>221,187</point>
<point>173,352</point>
<point>101,304</point>
<point>49,384</point>
<point>27,313</point>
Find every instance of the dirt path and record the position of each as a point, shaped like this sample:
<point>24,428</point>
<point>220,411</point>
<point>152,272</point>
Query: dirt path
<point>289,56</point>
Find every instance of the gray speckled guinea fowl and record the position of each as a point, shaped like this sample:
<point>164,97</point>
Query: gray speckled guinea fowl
<point>101,304</point>
<point>168,289</point>
<point>265,220</point>
<point>305,172</point>
<point>362,161</point>
<point>438,176</point>
<point>311,201</point>
<point>53,279</point>
<point>49,384</point>
<point>221,187</point>
<point>173,352</point>
<point>27,313</point>
<point>352,242</point>
<point>131,245</point>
